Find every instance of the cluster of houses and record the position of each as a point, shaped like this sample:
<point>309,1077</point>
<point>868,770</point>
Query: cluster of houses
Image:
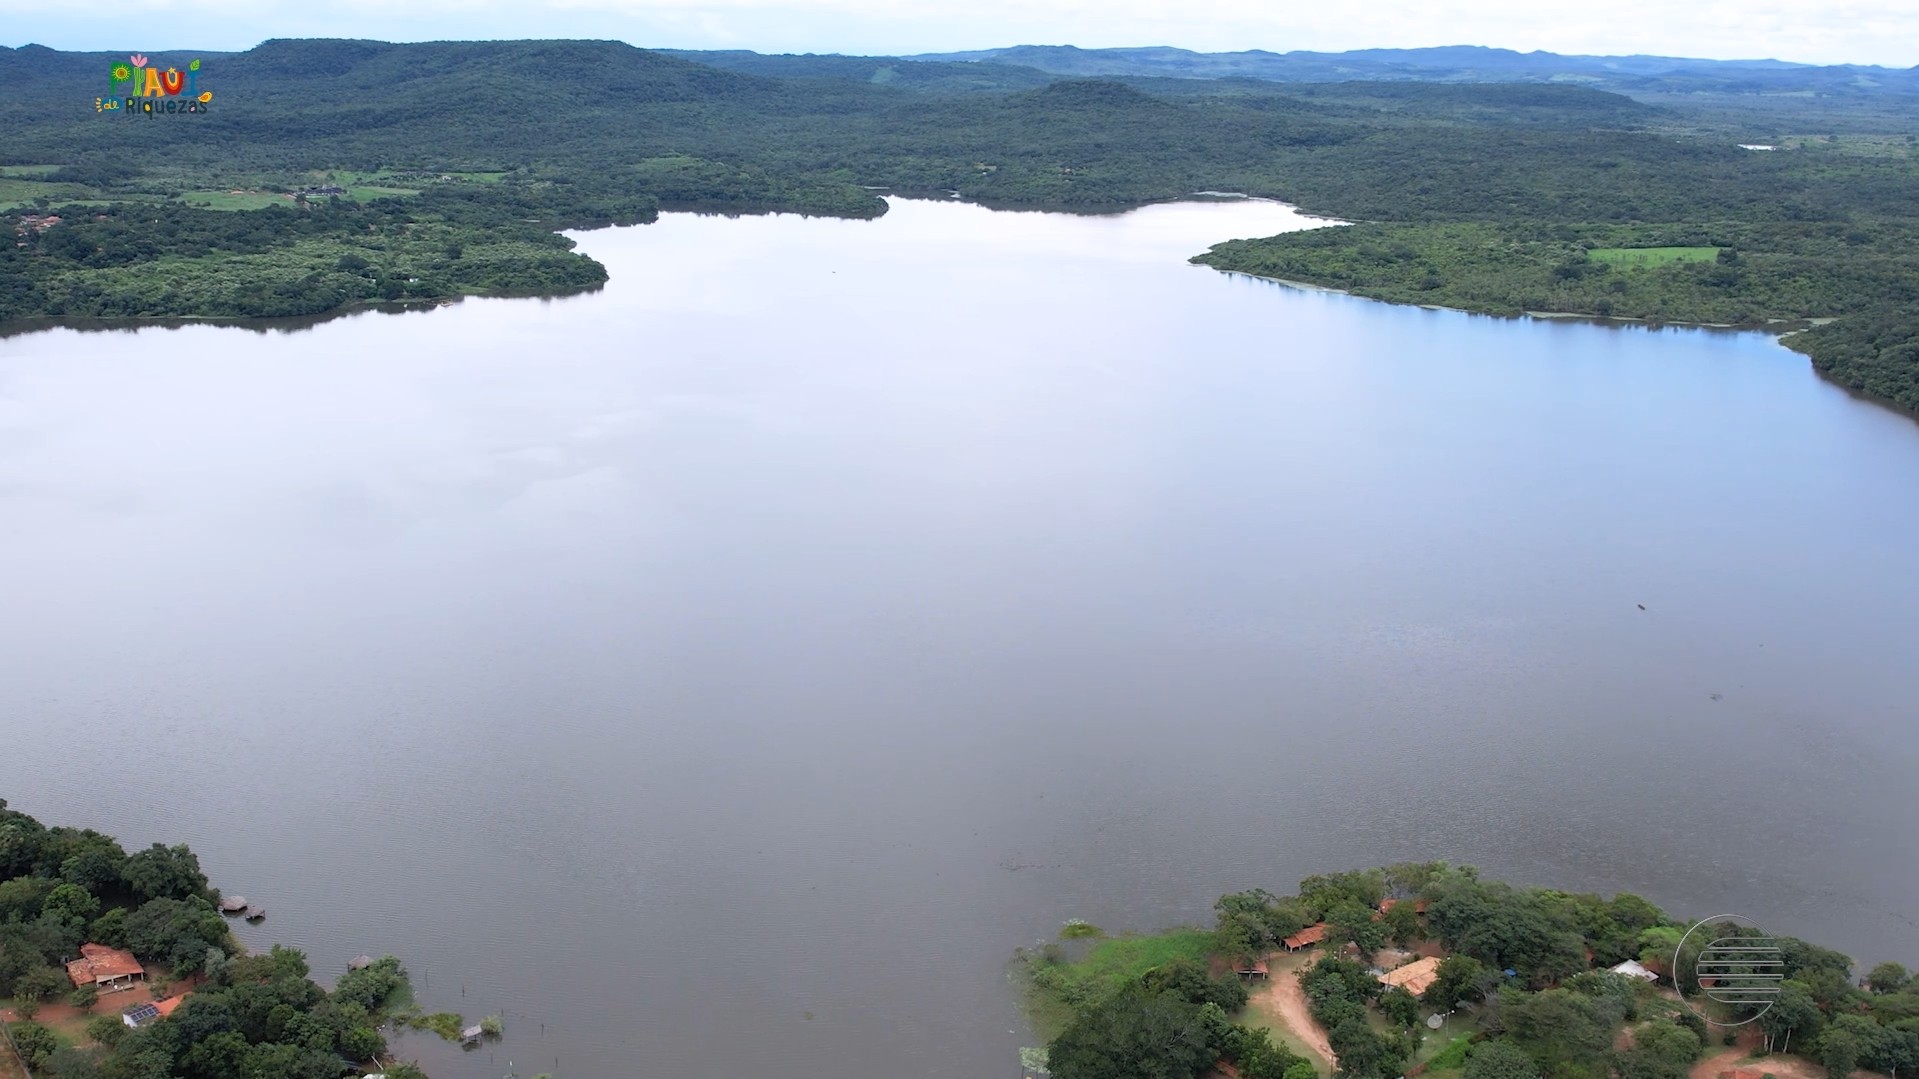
<point>1415,977</point>
<point>33,223</point>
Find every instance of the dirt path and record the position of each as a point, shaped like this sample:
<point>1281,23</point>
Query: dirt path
<point>1281,998</point>
<point>1785,1067</point>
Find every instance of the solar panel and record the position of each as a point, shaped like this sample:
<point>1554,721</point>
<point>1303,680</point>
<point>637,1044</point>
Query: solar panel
<point>140,1013</point>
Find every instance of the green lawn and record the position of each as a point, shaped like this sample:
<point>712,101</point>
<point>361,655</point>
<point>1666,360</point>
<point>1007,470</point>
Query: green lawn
<point>20,192</point>
<point>1441,1053</point>
<point>225,200</point>
<point>1106,966</point>
<point>364,192</point>
<point>1115,961</point>
<point>1641,257</point>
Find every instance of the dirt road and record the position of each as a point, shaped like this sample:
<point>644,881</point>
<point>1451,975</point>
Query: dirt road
<point>1280,998</point>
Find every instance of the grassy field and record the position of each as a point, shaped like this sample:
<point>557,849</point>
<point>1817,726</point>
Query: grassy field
<point>368,191</point>
<point>1114,962</point>
<point>28,171</point>
<point>1106,966</point>
<point>227,200</point>
<point>1642,257</point>
<point>16,191</point>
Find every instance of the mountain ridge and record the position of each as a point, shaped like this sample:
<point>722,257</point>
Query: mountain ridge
<point>1452,63</point>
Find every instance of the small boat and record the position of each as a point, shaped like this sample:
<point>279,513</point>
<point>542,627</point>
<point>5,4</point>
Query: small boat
<point>254,914</point>
<point>233,904</point>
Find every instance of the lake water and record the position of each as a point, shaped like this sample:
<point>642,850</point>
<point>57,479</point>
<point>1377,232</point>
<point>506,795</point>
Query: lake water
<point>722,673</point>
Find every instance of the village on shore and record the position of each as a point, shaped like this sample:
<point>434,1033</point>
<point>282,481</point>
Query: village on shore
<point>1430,970</point>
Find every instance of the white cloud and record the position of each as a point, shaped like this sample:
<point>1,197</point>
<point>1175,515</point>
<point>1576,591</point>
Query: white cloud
<point>1820,31</point>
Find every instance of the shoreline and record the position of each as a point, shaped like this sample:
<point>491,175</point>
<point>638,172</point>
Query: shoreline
<point>31,324</point>
<point>1778,328</point>
<point>266,323</point>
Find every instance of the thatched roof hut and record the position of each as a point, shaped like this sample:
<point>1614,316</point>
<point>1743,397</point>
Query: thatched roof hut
<point>359,962</point>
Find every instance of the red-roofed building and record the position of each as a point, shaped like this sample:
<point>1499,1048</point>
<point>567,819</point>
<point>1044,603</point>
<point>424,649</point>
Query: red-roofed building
<point>107,968</point>
<point>166,1007</point>
<point>1306,937</point>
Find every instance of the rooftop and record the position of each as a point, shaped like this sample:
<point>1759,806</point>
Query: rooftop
<point>1312,934</point>
<point>1415,977</point>
<point>99,963</point>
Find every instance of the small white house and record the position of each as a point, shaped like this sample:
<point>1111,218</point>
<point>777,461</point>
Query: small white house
<point>1633,969</point>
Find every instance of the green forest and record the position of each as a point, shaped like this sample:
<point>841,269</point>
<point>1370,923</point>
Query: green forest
<point>1521,979</point>
<point>329,173</point>
<point>243,1016</point>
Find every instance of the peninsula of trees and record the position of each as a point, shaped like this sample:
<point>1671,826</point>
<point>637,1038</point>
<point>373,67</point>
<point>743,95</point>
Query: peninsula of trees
<point>330,173</point>
<point>1429,969</point>
<point>230,1015</point>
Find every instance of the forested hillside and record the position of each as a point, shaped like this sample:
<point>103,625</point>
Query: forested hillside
<point>1459,63</point>
<point>326,173</point>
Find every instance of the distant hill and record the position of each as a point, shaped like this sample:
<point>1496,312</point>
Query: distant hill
<point>920,74</point>
<point>1455,63</point>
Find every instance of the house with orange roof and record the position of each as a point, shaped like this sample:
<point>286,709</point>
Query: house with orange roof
<point>1306,937</point>
<point>1415,977</point>
<point>105,968</point>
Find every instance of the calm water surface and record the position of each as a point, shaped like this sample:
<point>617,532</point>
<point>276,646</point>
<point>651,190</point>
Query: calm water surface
<point>722,673</point>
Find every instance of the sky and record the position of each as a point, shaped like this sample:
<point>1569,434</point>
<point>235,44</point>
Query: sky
<point>1812,31</point>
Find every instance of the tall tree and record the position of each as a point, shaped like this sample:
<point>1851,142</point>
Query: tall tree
<point>1459,978</point>
<point>1136,1034</point>
<point>1888,977</point>
<point>1839,1051</point>
<point>1500,1059</point>
<point>1660,1050</point>
<point>163,872</point>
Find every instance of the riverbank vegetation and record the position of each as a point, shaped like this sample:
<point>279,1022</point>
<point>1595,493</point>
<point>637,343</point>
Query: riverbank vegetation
<point>1522,981</point>
<point>345,176</point>
<point>232,1016</point>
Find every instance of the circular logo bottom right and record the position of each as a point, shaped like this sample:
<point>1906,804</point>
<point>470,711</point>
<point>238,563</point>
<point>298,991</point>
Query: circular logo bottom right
<point>1734,963</point>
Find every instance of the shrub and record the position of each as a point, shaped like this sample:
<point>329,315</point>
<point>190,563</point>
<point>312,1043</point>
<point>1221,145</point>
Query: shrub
<point>35,1042</point>
<point>106,1029</point>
